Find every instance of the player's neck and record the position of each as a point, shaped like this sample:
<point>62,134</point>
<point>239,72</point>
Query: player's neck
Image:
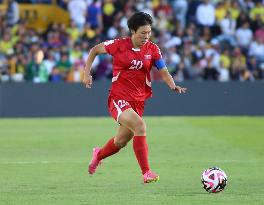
<point>135,45</point>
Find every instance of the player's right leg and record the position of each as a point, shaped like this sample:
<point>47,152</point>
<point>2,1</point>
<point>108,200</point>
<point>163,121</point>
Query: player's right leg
<point>124,135</point>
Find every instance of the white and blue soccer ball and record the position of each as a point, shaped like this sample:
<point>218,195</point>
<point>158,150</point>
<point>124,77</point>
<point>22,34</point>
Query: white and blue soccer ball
<point>214,180</point>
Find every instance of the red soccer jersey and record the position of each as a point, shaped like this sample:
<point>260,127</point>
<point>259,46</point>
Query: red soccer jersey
<point>131,68</point>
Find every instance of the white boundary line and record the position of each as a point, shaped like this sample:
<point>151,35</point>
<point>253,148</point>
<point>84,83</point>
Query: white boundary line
<point>41,162</point>
<point>179,162</point>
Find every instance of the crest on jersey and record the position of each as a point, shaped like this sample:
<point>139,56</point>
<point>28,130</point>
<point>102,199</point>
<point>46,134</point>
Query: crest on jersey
<point>147,57</point>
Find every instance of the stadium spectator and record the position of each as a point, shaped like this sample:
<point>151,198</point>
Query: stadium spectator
<point>94,15</point>
<point>165,8</point>
<point>257,11</point>
<point>76,73</point>
<point>246,5</point>
<point>259,34</point>
<point>162,22</point>
<point>63,67</point>
<point>223,73</point>
<point>113,30</point>
<point>181,73</point>
<point>77,9</point>
<point>4,74</point>
<point>75,53</point>
<point>36,70</point>
<point>108,9</point>
<point>238,65</point>
<point>180,8</point>
<point>210,71</point>
<point>244,36</point>
<point>190,34</point>
<point>12,13</point>
<point>225,59</point>
<point>255,68</point>
<point>49,62</point>
<point>220,11</point>
<point>104,68</point>
<point>243,17</point>
<point>89,34</point>
<point>234,9</point>
<point>228,29</point>
<point>205,14</point>
<point>187,59</point>
<point>73,32</point>
<point>256,50</point>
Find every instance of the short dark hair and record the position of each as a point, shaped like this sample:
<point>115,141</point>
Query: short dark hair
<point>139,19</point>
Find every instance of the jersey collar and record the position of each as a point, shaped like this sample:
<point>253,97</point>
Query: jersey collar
<point>131,46</point>
<point>135,49</point>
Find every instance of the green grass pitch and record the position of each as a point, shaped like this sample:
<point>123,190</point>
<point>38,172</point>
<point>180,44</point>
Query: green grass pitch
<point>44,161</point>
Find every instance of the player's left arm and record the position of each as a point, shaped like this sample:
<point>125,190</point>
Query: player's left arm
<point>167,78</point>
<point>165,75</point>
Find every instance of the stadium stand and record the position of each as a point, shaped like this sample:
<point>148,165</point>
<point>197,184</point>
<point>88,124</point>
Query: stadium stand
<point>48,41</point>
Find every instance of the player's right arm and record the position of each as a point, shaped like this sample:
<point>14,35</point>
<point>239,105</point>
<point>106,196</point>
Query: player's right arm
<point>96,50</point>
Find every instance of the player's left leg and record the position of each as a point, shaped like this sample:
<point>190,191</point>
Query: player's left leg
<point>135,123</point>
<point>140,147</point>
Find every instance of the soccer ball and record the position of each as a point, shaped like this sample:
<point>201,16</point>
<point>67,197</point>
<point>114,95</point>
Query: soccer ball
<point>214,180</point>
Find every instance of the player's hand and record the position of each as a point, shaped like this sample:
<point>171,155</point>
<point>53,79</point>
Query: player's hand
<point>88,81</point>
<point>179,89</point>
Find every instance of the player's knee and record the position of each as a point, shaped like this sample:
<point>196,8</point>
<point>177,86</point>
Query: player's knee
<point>120,143</point>
<point>140,128</point>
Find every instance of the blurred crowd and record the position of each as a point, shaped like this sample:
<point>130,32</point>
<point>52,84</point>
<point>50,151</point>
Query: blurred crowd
<point>200,40</point>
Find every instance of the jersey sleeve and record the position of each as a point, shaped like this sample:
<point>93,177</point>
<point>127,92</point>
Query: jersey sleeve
<point>111,46</point>
<point>156,53</point>
<point>157,57</point>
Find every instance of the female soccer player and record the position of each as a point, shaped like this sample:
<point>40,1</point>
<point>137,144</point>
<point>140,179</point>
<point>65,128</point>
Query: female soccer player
<point>133,58</point>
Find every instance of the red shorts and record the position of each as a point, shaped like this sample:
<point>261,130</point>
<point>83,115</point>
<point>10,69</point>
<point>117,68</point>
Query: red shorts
<point>117,106</point>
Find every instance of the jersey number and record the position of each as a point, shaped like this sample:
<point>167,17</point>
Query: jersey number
<point>122,103</point>
<point>136,64</point>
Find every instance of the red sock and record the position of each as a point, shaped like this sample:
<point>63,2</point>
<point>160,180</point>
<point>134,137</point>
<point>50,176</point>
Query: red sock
<point>141,151</point>
<point>108,149</point>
